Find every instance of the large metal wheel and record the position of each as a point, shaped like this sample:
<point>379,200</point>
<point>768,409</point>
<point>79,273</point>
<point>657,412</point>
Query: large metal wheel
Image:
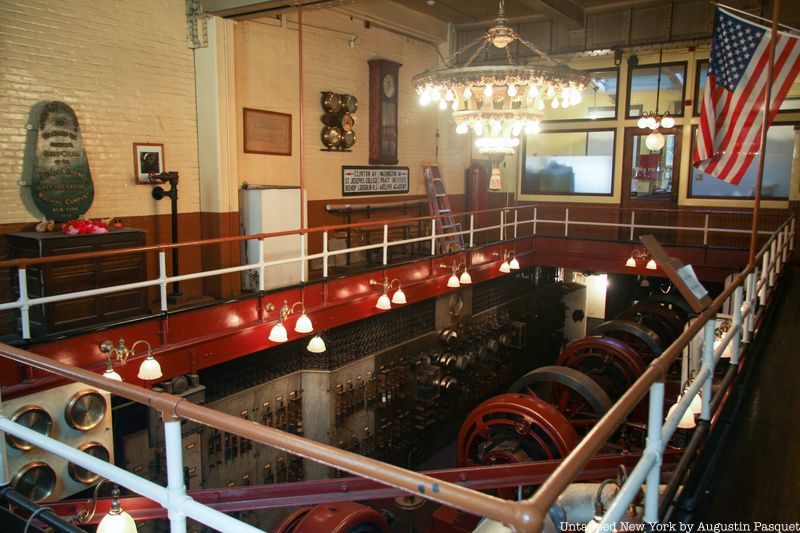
<point>642,339</point>
<point>666,322</point>
<point>514,428</point>
<point>341,517</point>
<point>578,397</point>
<point>671,301</point>
<point>613,364</point>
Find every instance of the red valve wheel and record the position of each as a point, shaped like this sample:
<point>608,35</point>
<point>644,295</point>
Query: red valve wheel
<point>341,517</point>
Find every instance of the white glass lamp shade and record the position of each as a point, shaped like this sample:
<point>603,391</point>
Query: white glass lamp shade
<point>303,324</point>
<point>278,333</point>
<point>651,265</point>
<point>465,279</point>
<point>728,352</point>
<point>687,420</point>
<point>149,369</point>
<point>668,121</point>
<point>642,123</point>
<point>316,345</point>
<point>453,281</point>
<point>383,302</point>
<point>593,525</point>
<point>399,297</point>
<point>654,141</point>
<point>631,262</point>
<point>697,404</point>
<point>505,268</point>
<point>513,264</point>
<point>119,522</point>
<point>111,374</point>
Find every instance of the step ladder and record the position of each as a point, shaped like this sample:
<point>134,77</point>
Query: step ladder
<point>440,209</point>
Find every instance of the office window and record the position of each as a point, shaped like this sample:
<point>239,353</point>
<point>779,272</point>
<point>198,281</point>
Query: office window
<point>575,162</point>
<point>777,170</point>
<point>599,99</point>
<point>645,87</point>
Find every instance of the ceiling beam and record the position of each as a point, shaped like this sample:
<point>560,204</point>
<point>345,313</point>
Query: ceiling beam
<point>564,12</point>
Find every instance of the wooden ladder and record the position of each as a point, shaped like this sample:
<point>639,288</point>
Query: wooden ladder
<point>440,209</point>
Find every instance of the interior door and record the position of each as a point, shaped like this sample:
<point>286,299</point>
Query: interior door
<point>650,182</point>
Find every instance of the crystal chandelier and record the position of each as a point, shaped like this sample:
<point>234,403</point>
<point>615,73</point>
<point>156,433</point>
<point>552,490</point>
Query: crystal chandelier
<point>499,102</point>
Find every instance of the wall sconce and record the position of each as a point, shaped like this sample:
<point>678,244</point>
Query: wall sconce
<point>399,297</point>
<point>116,521</point>
<point>316,345</point>
<point>455,281</point>
<point>643,256</point>
<point>278,332</point>
<point>687,420</point>
<point>148,370</point>
<point>509,262</point>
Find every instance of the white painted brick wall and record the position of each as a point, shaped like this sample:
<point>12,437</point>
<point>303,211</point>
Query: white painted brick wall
<point>125,68</point>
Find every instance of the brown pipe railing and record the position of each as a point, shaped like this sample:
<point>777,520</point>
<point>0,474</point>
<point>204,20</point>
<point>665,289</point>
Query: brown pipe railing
<point>521,516</point>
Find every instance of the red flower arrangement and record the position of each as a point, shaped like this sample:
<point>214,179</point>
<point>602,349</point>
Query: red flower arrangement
<point>85,227</point>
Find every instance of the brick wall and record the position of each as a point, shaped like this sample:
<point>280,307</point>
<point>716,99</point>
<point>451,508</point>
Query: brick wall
<point>125,68</point>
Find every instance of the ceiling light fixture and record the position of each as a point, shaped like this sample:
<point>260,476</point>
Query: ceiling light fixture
<point>498,102</point>
<point>278,332</point>
<point>653,120</point>
<point>399,297</point>
<point>641,256</point>
<point>149,369</point>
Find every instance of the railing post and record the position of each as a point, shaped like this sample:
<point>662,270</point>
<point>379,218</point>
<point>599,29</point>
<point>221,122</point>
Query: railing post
<point>708,362</point>
<point>24,307</point>
<point>176,491</point>
<point>779,254</point>
<point>791,236</point>
<point>786,241</point>
<point>516,219</point>
<point>737,321</point>
<point>566,222</point>
<point>302,258</point>
<point>773,262</point>
<point>385,244</point>
<point>535,219</point>
<point>754,303</point>
<point>762,294</point>
<point>433,236</point>
<point>705,231</point>
<point>633,224</point>
<point>324,254</point>
<point>262,279</point>
<point>162,278</point>
<point>502,225</point>
<point>471,230</point>
<point>654,445</point>
<point>748,297</point>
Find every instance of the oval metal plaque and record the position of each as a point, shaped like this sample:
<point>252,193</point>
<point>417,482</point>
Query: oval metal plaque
<point>61,182</point>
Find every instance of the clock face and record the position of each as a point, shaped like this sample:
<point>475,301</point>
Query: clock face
<point>388,85</point>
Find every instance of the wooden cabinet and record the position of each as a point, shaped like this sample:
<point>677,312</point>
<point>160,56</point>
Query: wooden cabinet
<point>50,279</point>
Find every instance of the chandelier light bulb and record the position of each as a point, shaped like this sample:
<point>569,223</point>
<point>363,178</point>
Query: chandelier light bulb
<point>668,121</point>
<point>399,297</point>
<point>654,141</point>
<point>316,345</point>
<point>488,91</point>
<point>540,105</point>
<point>462,128</point>
<point>533,91</point>
<point>516,129</point>
<point>512,90</point>
<point>496,127</point>
<point>651,122</point>
<point>303,324</point>
<point>442,104</point>
<point>505,268</point>
<point>449,95</point>
<point>642,122</point>
<point>454,105</point>
<point>478,127</point>
<point>565,103</point>
<point>465,279</point>
<point>425,98</point>
<point>436,95</point>
<point>453,282</point>
<point>551,92</point>
<point>565,93</point>
<point>467,93</point>
<point>278,333</point>
<point>383,302</point>
<point>554,103</point>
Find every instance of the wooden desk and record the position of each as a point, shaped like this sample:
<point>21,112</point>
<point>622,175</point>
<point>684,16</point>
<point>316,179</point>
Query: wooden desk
<point>59,278</point>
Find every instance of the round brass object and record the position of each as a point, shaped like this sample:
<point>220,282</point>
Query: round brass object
<point>409,502</point>
<point>456,304</point>
<point>85,410</point>
<point>35,481</point>
<point>350,103</point>
<point>348,122</point>
<point>348,138</point>
<point>331,136</point>
<point>331,102</point>
<point>82,475</point>
<point>33,417</point>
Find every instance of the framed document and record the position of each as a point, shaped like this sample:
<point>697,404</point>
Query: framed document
<point>267,132</point>
<point>147,159</point>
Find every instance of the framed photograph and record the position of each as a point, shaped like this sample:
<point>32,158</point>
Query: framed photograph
<point>267,132</point>
<point>147,159</point>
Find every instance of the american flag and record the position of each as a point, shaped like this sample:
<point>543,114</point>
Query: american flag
<point>731,118</point>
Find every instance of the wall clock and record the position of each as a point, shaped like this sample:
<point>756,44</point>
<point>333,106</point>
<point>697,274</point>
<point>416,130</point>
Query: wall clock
<point>383,91</point>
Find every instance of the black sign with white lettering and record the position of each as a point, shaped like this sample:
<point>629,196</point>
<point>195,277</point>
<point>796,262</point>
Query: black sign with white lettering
<point>61,182</point>
<point>358,181</point>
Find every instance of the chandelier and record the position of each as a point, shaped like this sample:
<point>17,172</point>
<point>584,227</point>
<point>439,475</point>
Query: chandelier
<point>499,102</point>
<point>653,120</point>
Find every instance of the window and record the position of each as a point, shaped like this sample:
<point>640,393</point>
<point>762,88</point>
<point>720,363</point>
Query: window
<point>645,87</point>
<point>575,162</point>
<point>599,99</point>
<point>777,170</point>
<point>651,171</point>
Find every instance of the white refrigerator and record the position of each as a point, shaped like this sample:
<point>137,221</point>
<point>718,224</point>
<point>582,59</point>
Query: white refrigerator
<point>269,209</point>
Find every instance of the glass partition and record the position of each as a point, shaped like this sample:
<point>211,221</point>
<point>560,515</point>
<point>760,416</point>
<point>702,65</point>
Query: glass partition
<point>599,99</point>
<point>646,93</point>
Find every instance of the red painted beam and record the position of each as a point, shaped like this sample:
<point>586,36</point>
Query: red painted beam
<point>304,493</point>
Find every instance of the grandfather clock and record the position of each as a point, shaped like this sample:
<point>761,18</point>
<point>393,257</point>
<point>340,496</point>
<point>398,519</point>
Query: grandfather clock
<point>383,111</point>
